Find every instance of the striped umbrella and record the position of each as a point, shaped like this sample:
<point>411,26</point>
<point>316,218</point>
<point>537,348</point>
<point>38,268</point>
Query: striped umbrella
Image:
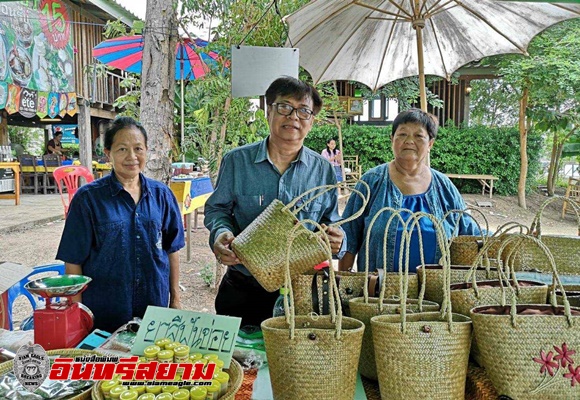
<point>126,53</point>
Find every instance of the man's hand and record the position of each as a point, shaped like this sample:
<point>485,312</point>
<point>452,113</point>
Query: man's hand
<point>223,251</point>
<point>335,235</point>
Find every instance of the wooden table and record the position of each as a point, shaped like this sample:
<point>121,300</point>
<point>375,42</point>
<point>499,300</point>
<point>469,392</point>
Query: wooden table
<point>483,179</point>
<point>14,166</point>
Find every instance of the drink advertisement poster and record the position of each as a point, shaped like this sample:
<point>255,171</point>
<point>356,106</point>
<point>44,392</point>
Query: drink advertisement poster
<point>36,50</point>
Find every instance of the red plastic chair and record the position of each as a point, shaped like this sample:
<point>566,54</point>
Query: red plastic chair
<point>70,174</point>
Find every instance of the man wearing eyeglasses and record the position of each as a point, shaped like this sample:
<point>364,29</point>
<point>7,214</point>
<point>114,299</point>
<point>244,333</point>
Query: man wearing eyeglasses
<point>252,176</point>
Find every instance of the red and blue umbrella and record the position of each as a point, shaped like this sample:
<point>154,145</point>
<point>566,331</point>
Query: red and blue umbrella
<point>126,53</point>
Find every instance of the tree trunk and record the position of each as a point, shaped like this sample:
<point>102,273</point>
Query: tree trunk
<point>553,169</point>
<point>158,85</point>
<point>523,150</point>
<point>223,130</point>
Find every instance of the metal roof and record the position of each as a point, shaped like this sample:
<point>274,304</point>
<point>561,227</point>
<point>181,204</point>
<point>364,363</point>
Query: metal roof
<point>106,10</point>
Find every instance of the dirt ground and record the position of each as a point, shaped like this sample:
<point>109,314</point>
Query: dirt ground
<point>38,246</point>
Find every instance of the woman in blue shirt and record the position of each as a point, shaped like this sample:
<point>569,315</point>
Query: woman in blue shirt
<point>124,231</point>
<point>404,183</point>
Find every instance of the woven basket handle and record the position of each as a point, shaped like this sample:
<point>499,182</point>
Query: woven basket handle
<point>443,244</point>
<point>556,277</point>
<point>395,214</point>
<point>334,295</point>
<point>466,212</point>
<point>536,227</point>
<point>327,188</point>
<point>482,255</point>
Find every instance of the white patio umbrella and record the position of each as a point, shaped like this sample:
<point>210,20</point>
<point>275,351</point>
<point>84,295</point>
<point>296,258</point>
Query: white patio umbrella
<point>378,41</point>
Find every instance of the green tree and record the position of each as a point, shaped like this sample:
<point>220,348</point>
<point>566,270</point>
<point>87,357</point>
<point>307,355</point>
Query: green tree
<point>548,84</point>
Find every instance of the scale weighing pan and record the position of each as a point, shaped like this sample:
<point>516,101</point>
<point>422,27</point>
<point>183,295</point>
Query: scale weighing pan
<point>58,286</point>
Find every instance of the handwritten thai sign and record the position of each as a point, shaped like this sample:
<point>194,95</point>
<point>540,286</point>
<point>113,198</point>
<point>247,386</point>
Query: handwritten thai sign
<point>202,332</point>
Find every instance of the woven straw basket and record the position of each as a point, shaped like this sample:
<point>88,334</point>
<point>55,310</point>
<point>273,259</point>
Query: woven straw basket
<point>364,308</point>
<point>260,247</point>
<point>467,295</point>
<point>530,356</point>
<point>565,249</point>
<point>350,286</point>
<point>86,394</point>
<point>312,357</point>
<point>464,248</point>
<point>423,355</point>
<point>234,371</point>
<point>572,294</point>
<point>432,277</point>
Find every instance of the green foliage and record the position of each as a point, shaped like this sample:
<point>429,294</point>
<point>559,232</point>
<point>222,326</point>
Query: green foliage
<point>32,139</point>
<point>473,150</point>
<point>493,102</point>
<point>483,150</point>
<point>207,274</point>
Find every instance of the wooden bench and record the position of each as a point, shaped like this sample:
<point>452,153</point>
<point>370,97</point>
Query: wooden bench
<point>485,180</point>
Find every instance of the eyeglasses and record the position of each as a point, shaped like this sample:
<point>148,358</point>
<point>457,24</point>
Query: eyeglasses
<point>287,109</point>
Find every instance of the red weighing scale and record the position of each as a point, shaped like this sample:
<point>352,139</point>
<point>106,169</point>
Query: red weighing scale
<point>60,324</point>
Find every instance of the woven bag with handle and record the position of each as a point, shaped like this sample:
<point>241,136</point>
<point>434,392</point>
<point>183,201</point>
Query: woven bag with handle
<point>472,293</point>
<point>312,357</point>
<point>565,249</point>
<point>260,247</point>
<point>423,355</point>
<point>531,351</point>
<point>364,308</point>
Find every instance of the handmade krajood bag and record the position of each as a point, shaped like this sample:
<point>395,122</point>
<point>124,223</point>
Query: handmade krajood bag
<point>565,249</point>
<point>311,290</point>
<point>312,357</point>
<point>465,248</point>
<point>311,293</point>
<point>387,302</point>
<point>423,355</point>
<point>531,351</point>
<point>431,276</point>
<point>467,295</point>
<point>261,246</point>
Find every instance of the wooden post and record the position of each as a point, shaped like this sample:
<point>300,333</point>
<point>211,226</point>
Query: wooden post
<point>85,134</point>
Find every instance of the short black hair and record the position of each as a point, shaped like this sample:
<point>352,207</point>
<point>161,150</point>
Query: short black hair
<point>122,123</point>
<point>288,86</point>
<point>417,116</point>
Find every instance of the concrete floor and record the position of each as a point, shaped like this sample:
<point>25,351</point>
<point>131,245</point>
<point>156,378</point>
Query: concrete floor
<point>33,210</point>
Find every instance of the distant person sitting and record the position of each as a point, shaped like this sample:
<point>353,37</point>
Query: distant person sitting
<point>332,154</point>
<point>54,145</point>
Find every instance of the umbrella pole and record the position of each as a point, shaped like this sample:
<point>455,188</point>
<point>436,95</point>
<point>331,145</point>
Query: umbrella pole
<point>182,123</point>
<point>423,93</point>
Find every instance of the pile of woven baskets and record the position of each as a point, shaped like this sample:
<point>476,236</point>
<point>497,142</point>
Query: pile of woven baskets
<point>497,300</point>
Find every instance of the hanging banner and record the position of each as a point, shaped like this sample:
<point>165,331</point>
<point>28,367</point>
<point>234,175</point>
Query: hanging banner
<point>3,94</point>
<point>42,104</point>
<point>52,105</point>
<point>72,104</point>
<point>13,99</point>
<point>62,104</point>
<point>36,46</point>
<point>27,103</point>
